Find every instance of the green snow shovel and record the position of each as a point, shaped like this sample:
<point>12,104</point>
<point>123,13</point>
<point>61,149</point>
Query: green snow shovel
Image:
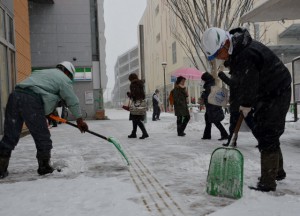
<point>109,139</point>
<point>225,173</point>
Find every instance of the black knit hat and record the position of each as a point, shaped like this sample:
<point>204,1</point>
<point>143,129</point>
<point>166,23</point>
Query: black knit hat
<point>207,76</point>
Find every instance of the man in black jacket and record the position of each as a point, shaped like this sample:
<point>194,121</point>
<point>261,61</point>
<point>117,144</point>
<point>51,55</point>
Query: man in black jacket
<point>264,89</point>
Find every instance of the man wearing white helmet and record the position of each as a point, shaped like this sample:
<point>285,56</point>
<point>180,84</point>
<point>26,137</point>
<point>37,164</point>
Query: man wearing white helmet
<point>262,85</point>
<point>32,100</point>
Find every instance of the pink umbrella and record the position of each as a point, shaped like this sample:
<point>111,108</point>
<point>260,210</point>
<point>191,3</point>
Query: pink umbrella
<point>188,73</point>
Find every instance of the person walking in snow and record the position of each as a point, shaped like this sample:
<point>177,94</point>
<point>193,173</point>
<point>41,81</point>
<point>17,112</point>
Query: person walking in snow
<point>213,114</point>
<point>137,95</point>
<point>264,87</point>
<point>32,100</point>
<point>156,105</point>
<point>179,94</point>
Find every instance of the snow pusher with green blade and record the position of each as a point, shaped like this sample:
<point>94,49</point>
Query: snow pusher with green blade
<point>225,174</point>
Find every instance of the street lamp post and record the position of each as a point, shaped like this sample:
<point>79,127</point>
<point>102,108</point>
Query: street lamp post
<point>164,65</point>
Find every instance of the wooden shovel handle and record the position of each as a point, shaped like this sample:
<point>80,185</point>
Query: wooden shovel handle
<point>236,131</point>
<point>239,123</point>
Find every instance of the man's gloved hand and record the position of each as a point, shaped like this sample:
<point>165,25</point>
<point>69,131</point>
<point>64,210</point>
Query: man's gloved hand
<point>245,110</point>
<point>82,126</point>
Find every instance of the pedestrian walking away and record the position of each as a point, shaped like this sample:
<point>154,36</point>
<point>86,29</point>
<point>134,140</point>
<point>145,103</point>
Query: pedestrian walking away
<point>156,105</point>
<point>31,102</point>
<point>213,114</point>
<point>264,89</point>
<point>179,97</point>
<point>137,96</point>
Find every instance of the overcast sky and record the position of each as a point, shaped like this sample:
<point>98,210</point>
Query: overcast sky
<point>121,23</point>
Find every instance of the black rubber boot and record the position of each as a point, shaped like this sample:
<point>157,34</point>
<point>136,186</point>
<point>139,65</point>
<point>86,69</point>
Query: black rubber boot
<point>44,166</point>
<point>4,161</point>
<point>269,170</point>
<point>263,188</point>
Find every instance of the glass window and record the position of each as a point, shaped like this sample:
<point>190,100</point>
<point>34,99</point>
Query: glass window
<point>12,69</point>
<point>4,82</point>
<point>3,73</point>
<point>10,30</point>
<point>2,23</point>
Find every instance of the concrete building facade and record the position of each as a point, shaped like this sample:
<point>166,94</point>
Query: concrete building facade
<point>157,45</point>
<point>69,31</point>
<point>56,31</point>
<point>126,64</point>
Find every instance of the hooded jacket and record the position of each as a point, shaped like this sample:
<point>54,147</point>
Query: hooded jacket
<point>259,71</point>
<point>52,85</point>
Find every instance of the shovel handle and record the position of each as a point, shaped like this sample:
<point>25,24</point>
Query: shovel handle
<point>236,130</point>
<point>57,118</point>
<point>239,123</point>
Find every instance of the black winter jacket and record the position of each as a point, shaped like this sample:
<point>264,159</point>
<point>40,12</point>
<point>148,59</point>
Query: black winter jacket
<point>259,71</point>
<point>233,87</point>
<point>180,101</point>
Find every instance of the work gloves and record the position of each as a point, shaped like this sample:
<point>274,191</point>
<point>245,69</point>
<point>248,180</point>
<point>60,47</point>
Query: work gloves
<point>82,126</point>
<point>245,110</point>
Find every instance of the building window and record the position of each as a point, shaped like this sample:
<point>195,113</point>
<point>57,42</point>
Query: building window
<point>174,54</point>
<point>157,10</point>
<point>2,23</point>
<point>7,61</point>
<point>3,78</point>
<point>12,68</point>
<point>157,37</point>
<point>10,30</point>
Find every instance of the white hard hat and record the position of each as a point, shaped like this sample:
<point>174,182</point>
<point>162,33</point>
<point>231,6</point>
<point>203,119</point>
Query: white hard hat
<point>69,66</point>
<point>213,40</point>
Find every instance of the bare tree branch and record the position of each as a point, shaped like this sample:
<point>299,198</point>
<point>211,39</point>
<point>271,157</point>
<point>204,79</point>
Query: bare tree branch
<point>195,16</point>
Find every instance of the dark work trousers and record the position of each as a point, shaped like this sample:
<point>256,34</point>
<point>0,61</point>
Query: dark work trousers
<point>208,125</point>
<point>135,124</point>
<point>182,122</point>
<point>269,124</point>
<point>269,120</point>
<point>156,112</point>
<point>22,107</point>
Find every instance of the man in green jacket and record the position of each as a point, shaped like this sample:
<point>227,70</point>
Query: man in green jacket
<point>32,100</point>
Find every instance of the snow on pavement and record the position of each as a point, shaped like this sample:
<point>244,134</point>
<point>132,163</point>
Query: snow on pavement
<point>167,175</point>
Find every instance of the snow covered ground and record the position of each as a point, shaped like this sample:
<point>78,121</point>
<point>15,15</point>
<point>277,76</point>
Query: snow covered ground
<point>167,175</point>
